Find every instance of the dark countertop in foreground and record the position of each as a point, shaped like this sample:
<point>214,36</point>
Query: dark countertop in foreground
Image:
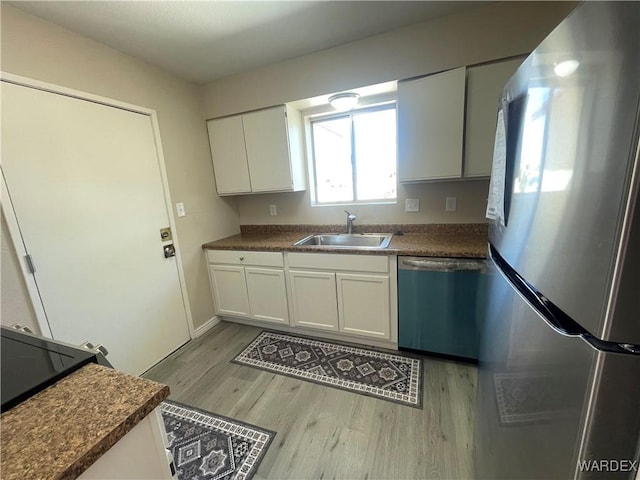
<point>61,431</point>
<point>441,240</point>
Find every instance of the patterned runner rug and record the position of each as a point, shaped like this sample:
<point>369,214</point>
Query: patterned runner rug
<point>393,377</point>
<point>211,447</point>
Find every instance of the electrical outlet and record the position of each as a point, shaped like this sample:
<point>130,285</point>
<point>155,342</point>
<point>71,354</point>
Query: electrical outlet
<point>451,204</point>
<point>412,205</point>
<point>180,209</point>
<point>273,210</point>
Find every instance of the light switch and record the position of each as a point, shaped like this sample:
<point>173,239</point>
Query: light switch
<point>180,209</point>
<point>412,205</point>
<point>273,210</point>
<point>451,204</point>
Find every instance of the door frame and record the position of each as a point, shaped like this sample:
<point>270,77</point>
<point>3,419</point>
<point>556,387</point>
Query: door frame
<point>12,222</point>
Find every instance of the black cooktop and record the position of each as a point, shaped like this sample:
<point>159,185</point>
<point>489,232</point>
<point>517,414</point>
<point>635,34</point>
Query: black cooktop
<point>31,364</point>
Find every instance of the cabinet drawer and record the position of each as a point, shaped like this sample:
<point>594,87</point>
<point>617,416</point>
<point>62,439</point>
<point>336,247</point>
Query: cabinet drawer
<point>236,257</point>
<point>338,261</point>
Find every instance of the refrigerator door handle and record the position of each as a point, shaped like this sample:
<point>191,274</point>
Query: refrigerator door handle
<point>552,315</point>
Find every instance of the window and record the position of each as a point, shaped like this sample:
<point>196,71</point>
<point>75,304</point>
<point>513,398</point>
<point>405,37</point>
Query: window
<point>354,156</point>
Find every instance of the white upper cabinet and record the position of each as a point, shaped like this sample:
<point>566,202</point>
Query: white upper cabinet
<point>260,151</point>
<point>431,126</point>
<point>484,87</point>
<point>266,139</point>
<point>229,155</point>
<point>434,124</point>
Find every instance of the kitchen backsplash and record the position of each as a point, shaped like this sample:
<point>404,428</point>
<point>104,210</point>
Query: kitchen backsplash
<point>479,228</point>
<point>295,208</point>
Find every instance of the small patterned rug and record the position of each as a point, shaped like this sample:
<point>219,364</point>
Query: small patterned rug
<point>211,447</point>
<point>393,377</point>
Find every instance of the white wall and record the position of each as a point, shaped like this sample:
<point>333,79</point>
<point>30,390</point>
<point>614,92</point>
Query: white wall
<point>488,32</point>
<point>41,50</point>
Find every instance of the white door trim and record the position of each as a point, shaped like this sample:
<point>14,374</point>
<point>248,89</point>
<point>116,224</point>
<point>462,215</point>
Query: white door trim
<point>12,222</point>
<point>16,239</point>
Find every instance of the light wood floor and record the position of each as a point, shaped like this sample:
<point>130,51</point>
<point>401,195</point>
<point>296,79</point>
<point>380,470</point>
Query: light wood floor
<point>322,432</point>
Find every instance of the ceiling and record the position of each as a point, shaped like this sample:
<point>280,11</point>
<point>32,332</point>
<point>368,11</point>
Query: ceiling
<point>205,40</point>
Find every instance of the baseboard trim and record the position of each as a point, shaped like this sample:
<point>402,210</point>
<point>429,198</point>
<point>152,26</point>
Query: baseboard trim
<point>206,326</point>
<point>319,334</point>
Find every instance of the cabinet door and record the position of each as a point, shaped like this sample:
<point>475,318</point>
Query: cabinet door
<point>267,294</point>
<point>313,298</point>
<point>267,143</point>
<point>484,88</point>
<point>229,155</point>
<point>431,126</point>
<point>229,290</point>
<point>363,305</point>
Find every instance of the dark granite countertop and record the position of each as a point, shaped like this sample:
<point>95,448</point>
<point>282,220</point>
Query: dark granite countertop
<point>61,431</point>
<point>432,240</point>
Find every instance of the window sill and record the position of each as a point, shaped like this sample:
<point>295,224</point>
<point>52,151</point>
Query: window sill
<point>355,204</point>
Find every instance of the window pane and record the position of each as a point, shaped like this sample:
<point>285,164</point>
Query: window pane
<point>332,155</point>
<point>375,145</point>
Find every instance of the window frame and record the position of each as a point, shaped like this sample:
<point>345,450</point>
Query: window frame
<point>391,105</point>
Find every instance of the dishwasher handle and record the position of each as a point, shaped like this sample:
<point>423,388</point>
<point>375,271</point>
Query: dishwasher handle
<point>441,264</point>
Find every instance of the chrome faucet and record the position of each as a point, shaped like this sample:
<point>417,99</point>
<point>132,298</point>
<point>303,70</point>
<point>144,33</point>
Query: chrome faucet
<point>350,218</point>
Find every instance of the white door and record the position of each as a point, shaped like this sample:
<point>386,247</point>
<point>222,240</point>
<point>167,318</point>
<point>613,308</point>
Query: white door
<point>431,126</point>
<point>484,88</point>
<point>363,305</point>
<point>229,286</point>
<point>267,294</point>
<point>266,138</point>
<point>85,184</point>
<point>229,155</point>
<point>313,298</point>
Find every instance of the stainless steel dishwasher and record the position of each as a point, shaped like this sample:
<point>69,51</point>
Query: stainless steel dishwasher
<point>441,305</point>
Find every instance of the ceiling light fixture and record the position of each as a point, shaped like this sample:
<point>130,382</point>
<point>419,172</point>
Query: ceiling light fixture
<point>344,101</point>
<point>566,68</point>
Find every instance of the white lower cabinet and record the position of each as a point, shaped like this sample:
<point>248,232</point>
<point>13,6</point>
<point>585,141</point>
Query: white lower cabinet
<point>229,290</point>
<point>257,290</point>
<point>267,294</point>
<point>349,294</point>
<point>344,295</point>
<point>313,299</point>
<point>363,304</point>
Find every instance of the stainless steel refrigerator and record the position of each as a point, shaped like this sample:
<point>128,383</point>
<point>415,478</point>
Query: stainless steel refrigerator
<point>559,377</point>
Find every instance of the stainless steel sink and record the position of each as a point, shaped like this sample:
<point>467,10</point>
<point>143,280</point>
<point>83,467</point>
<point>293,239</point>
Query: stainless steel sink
<point>364,241</point>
